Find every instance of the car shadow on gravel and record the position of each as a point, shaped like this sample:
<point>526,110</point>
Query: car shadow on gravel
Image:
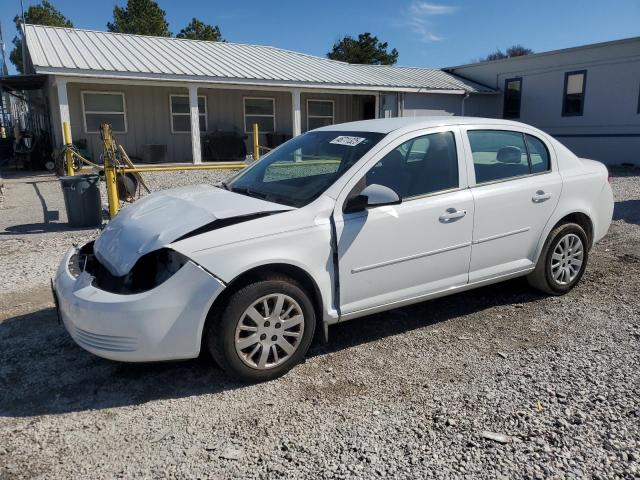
<point>42,371</point>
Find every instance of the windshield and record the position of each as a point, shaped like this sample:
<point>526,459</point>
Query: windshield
<point>300,170</point>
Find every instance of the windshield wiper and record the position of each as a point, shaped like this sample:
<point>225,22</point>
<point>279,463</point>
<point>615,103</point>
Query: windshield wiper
<point>225,185</point>
<point>247,191</point>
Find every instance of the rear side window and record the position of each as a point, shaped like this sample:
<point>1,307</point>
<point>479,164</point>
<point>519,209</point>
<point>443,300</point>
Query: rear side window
<point>538,155</point>
<point>500,154</point>
<point>420,166</point>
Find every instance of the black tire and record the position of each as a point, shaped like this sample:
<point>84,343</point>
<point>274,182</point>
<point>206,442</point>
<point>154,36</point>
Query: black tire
<point>542,278</point>
<point>221,329</point>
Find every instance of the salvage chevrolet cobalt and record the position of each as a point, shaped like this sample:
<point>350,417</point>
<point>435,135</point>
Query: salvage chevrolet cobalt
<point>335,224</point>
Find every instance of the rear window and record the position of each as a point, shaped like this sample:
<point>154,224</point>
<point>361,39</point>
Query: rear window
<point>501,154</point>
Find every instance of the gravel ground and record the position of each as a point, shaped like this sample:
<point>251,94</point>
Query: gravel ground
<point>500,382</point>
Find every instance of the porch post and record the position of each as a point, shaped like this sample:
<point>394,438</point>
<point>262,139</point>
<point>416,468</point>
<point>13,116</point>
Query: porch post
<point>297,116</point>
<point>196,152</point>
<point>63,102</point>
<point>377,105</point>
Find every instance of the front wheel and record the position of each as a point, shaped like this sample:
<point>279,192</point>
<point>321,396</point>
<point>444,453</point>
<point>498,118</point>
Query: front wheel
<point>562,261</point>
<point>264,331</point>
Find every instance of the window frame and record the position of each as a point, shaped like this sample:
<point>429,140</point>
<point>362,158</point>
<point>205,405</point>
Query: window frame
<point>564,93</point>
<point>504,102</point>
<point>333,110</point>
<point>90,112</point>
<point>244,113</point>
<point>524,134</point>
<point>187,114</point>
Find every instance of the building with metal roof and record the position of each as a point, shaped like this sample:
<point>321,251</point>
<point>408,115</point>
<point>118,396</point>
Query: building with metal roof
<point>163,94</point>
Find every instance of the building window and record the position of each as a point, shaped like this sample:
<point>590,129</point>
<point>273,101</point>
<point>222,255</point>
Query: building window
<point>261,111</point>
<point>319,113</point>
<point>574,88</point>
<point>512,97</point>
<point>104,107</point>
<point>181,113</point>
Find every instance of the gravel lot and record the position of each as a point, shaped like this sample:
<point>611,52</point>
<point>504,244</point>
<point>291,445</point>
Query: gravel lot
<point>500,382</point>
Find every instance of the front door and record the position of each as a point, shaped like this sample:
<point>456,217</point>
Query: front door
<point>423,245</point>
<point>517,188</point>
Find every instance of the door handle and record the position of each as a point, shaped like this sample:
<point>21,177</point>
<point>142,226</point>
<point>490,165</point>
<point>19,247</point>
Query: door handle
<point>452,214</point>
<point>541,196</point>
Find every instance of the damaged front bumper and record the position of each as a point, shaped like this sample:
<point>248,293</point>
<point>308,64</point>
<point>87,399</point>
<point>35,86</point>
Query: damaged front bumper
<point>163,323</point>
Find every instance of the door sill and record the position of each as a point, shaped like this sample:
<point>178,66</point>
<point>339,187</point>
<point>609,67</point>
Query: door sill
<point>429,296</point>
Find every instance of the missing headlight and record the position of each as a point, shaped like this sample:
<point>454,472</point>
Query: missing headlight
<point>150,270</point>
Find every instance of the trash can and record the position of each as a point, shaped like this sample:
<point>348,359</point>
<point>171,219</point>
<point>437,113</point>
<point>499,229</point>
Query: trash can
<point>82,200</point>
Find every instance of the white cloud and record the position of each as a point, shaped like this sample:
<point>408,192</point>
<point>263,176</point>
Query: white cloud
<point>419,19</point>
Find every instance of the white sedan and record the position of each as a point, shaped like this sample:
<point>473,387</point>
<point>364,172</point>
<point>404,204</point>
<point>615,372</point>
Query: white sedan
<point>335,224</point>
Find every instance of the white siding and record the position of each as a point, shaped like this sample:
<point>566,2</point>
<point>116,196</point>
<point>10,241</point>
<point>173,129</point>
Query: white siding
<point>609,129</point>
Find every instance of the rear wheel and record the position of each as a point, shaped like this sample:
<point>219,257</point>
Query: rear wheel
<point>265,330</point>
<point>562,261</point>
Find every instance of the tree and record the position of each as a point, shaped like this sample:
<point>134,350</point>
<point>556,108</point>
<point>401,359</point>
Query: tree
<point>43,13</point>
<point>141,17</point>
<point>366,49</point>
<point>514,51</point>
<point>197,30</point>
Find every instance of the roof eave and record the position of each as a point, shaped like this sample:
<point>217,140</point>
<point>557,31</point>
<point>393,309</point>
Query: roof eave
<point>172,79</point>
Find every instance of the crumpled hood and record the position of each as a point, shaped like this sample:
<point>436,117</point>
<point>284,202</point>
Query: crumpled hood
<point>160,218</point>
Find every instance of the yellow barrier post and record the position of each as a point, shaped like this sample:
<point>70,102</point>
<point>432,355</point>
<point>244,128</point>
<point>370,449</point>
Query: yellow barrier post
<point>256,146</point>
<point>67,141</point>
<point>112,190</point>
<point>110,170</point>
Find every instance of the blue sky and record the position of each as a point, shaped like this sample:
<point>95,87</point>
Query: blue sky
<point>436,33</point>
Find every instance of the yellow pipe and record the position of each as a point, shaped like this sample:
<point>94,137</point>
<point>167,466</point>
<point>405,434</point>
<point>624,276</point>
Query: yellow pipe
<point>66,128</point>
<point>229,166</point>
<point>256,146</point>
<point>112,190</point>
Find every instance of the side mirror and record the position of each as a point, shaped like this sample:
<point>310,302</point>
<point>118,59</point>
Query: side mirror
<point>372,196</point>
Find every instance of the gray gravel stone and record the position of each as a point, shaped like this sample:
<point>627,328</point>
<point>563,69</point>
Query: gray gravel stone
<point>67,414</point>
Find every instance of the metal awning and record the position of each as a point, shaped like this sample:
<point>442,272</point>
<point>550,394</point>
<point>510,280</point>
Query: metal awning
<point>23,82</point>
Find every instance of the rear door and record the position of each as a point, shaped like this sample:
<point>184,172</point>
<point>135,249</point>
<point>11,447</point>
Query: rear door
<point>516,187</point>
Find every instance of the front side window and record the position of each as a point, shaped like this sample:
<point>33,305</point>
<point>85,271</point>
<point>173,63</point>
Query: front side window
<point>501,154</point>
<point>420,166</point>
<point>512,97</point>
<point>181,113</point>
<point>298,171</point>
<point>574,89</point>
<point>261,111</point>
<point>104,107</point>
<point>319,113</point>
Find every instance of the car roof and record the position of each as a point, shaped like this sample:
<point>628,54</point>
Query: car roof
<point>388,125</point>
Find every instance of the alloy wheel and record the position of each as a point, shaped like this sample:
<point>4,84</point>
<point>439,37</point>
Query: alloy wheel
<point>567,258</point>
<point>269,331</point>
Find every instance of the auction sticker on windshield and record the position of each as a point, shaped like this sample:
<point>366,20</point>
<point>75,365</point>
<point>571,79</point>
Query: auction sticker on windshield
<point>346,140</point>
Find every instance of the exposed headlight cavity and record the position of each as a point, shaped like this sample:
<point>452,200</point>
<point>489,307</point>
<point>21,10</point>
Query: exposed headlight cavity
<point>150,270</point>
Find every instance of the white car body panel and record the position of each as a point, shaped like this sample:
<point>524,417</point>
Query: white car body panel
<point>146,225</point>
<point>358,263</point>
<point>161,324</point>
